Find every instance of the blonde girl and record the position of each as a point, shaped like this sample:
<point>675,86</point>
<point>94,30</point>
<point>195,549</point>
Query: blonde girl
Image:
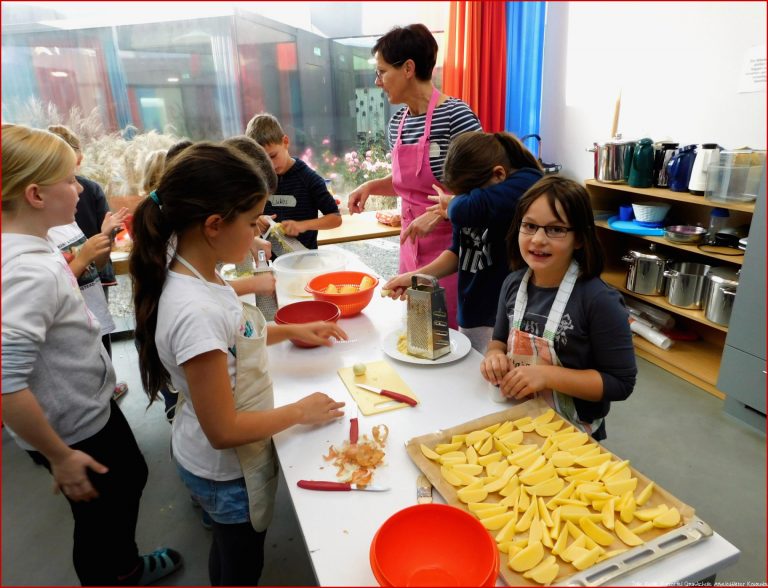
<point>57,379</point>
<point>488,172</point>
<point>561,331</point>
<point>196,335</point>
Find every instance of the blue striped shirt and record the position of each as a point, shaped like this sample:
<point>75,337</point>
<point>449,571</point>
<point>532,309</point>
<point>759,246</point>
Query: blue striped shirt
<point>449,120</point>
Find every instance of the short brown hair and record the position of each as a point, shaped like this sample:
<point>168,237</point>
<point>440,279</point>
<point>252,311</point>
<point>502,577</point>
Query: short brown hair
<point>66,134</point>
<point>472,156</point>
<point>410,42</point>
<point>255,152</point>
<point>154,164</point>
<point>575,203</point>
<point>265,129</point>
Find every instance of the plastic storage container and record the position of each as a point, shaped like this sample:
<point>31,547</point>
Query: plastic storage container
<point>293,271</point>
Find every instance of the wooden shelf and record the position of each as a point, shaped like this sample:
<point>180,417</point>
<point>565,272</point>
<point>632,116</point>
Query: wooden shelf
<point>695,361</point>
<point>618,279</point>
<point>737,259</point>
<point>666,194</point>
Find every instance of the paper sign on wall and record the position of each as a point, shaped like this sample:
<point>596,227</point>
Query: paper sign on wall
<point>752,78</point>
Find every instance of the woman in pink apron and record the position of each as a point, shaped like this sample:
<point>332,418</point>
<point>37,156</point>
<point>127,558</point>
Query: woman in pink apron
<point>419,134</point>
<point>561,333</point>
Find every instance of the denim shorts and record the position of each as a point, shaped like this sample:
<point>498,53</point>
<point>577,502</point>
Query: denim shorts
<point>225,501</point>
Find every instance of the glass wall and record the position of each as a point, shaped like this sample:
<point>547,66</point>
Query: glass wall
<point>203,78</point>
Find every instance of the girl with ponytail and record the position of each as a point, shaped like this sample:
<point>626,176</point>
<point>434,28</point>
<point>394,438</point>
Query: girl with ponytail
<point>488,172</point>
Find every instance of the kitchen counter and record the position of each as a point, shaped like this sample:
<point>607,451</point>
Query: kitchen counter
<point>338,526</point>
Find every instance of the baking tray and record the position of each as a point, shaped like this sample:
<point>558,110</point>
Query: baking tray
<point>659,542</point>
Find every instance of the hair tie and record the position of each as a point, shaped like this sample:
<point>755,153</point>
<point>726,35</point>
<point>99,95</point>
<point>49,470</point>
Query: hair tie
<point>156,199</point>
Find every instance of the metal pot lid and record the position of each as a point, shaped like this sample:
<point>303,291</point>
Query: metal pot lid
<point>724,276</point>
<point>646,255</point>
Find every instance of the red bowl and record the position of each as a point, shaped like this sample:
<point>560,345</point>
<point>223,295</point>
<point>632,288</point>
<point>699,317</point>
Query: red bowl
<point>307,311</point>
<point>434,545</point>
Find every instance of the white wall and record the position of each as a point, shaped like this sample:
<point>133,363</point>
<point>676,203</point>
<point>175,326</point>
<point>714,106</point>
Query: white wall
<point>677,65</point>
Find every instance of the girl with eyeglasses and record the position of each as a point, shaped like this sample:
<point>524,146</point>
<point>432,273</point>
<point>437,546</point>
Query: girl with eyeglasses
<point>490,172</point>
<point>560,332</point>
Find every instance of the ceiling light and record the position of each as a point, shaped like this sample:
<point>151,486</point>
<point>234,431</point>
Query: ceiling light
<point>173,79</point>
<point>59,74</point>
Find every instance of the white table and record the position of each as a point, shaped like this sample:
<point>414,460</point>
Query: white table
<point>338,526</point>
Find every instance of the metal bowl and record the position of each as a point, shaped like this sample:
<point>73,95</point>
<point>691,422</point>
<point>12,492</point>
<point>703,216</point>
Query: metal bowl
<point>689,234</point>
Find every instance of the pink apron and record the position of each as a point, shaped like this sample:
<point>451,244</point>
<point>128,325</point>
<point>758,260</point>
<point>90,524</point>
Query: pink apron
<point>528,349</point>
<point>412,179</point>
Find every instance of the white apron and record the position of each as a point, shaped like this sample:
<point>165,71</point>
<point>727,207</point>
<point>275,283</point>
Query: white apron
<point>528,349</point>
<point>253,392</point>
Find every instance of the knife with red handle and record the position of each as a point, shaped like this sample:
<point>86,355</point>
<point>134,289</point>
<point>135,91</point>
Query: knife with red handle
<point>389,394</point>
<point>337,486</point>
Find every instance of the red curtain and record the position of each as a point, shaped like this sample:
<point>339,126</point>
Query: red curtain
<point>475,59</point>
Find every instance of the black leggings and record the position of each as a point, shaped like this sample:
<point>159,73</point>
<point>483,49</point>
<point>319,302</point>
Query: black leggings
<point>105,528</point>
<point>237,555</point>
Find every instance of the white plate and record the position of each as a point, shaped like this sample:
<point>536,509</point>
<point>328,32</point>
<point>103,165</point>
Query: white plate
<point>460,346</point>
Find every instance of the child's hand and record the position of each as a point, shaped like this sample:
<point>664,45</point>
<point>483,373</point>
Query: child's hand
<point>524,380</point>
<point>260,244</point>
<point>114,220</point>
<point>292,228</point>
<point>397,286</point>
<point>262,223</point>
<point>442,199</point>
<point>259,284</point>
<point>319,333</point>
<point>318,408</point>
<point>95,247</point>
<point>494,367</point>
<point>70,475</point>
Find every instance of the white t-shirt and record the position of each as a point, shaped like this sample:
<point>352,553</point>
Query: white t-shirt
<point>69,239</point>
<point>193,318</point>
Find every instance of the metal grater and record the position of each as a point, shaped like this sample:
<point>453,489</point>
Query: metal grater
<point>267,303</point>
<point>245,267</point>
<point>281,243</point>
<point>427,318</point>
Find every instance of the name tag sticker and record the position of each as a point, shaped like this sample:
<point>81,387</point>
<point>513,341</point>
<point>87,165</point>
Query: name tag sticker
<point>434,150</point>
<point>286,200</point>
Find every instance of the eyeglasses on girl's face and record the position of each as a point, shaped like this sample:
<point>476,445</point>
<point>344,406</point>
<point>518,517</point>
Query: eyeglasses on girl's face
<point>380,72</point>
<point>551,231</point>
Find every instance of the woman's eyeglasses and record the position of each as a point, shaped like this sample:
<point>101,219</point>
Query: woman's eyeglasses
<point>380,73</point>
<point>551,231</point>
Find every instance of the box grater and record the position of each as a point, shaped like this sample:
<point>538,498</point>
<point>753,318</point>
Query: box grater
<point>281,243</point>
<point>427,318</point>
<point>267,303</point>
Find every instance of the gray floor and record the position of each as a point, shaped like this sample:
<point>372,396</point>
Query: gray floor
<point>673,432</point>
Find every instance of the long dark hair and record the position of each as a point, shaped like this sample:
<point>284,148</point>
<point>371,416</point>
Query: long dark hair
<point>575,203</point>
<point>472,156</point>
<point>205,179</point>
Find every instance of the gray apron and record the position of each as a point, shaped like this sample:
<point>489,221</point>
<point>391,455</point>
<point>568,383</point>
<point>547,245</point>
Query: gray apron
<point>253,392</point>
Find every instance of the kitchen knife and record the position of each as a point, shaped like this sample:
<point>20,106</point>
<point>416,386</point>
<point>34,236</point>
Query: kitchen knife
<point>389,394</point>
<point>337,486</point>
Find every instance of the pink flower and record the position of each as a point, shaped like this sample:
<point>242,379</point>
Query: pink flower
<point>326,141</point>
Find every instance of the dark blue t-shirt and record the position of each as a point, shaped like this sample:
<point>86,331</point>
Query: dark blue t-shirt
<point>481,220</point>
<point>300,194</point>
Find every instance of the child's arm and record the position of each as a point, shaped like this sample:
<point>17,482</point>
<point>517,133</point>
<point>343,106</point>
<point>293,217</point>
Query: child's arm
<point>443,265</point>
<point>293,227</point>
<point>93,249</point>
<point>495,364</point>
<point>224,426</point>
<point>23,414</point>
<point>484,206</point>
<point>261,284</point>
<point>317,333</point>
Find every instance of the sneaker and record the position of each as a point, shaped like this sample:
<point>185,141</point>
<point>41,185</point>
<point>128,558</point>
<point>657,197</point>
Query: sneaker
<point>120,390</point>
<point>152,567</point>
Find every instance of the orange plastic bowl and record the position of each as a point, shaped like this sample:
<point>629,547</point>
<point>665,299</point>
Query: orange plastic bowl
<point>350,304</point>
<point>434,545</point>
<point>307,311</point>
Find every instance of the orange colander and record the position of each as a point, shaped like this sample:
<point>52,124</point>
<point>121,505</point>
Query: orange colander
<point>350,304</point>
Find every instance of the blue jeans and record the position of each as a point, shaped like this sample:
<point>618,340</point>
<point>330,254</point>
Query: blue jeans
<point>225,501</point>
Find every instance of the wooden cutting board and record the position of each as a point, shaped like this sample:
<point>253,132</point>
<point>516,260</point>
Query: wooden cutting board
<point>381,375</point>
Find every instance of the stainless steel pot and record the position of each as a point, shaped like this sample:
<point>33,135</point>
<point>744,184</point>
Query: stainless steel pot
<point>722,283</point>
<point>685,284</point>
<point>646,272</point>
<point>613,160</point>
